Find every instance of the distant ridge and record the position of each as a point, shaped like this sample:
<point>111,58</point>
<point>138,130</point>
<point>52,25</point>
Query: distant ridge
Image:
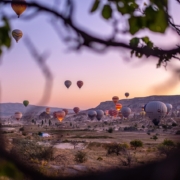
<point>8,109</point>
<point>135,103</point>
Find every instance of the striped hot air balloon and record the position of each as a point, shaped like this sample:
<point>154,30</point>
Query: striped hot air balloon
<point>115,99</point>
<point>18,115</point>
<point>80,84</point>
<point>118,106</point>
<point>76,109</point>
<point>19,8</point>
<point>17,34</point>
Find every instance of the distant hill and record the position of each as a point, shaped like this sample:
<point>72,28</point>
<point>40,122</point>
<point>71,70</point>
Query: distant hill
<point>8,109</point>
<point>137,102</point>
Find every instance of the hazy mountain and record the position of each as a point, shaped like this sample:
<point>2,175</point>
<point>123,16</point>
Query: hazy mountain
<point>136,103</point>
<point>8,109</point>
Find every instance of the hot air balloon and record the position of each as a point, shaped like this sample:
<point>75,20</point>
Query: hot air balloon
<point>142,113</point>
<point>76,110</point>
<point>47,110</point>
<point>126,111</point>
<point>66,111</point>
<point>18,115</point>
<point>80,84</point>
<point>169,107</point>
<point>126,94</point>
<point>67,83</point>
<point>118,106</point>
<point>115,99</point>
<point>25,102</point>
<point>17,34</point>
<point>92,114</point>
<point>106,112</point>
<point>100,114</point>
<point>156,110</point>
<point>113,112</point>
<point>59,115</point>
<point>19,8</point>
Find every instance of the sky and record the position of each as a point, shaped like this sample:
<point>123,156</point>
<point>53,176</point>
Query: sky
<point>104,75</point>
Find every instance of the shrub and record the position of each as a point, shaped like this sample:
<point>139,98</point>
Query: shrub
<point>31,150</point>
<point>99,158</point>
<point>110,130</point>
<point>168,143</point>
<point>154,137</point>
<point>80,157</point>
<point>136,143</point>
<point>115,148</point>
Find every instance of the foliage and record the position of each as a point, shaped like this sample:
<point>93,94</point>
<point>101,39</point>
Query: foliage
<point>110,130</point>
<point>80,157</point>
<point>154,137</point>
<point>127,158</point>
<point>136,143</point>
<point>168,143</point>
<point>115,148</point>
<point>31,150</point>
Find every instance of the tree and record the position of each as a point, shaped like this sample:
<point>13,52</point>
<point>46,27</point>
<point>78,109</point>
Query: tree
<point>136,144</point>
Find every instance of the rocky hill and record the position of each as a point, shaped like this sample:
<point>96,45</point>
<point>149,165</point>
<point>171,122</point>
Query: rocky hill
<point>136,103</point>
<point>8,109</point>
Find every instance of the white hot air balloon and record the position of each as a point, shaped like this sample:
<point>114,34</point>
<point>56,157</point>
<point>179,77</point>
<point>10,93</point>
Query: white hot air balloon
<point>156,110</point>
<point>169,107</point>
<point>92,114</point>
<point>100,114</point>
<point>126,111</point>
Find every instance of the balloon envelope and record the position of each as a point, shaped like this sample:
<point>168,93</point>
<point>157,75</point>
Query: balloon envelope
<point>25,102</point>
<point>67,83</point>
<point>106,112</point>
<point>76,109</point>
<point>115,99</point>
<point>118,106</point>
<point>156,110</point>
<point>18,115</point>
<point>126,94</point>
<point>17,34</point>
<point>60,115</point>
<point>47,110</point>
<point>18,8</point>
<point>126,111</point>
<point>169,107</point>
<point>80,84</point>
<point>92,114</point>
<point>113,112</point>
<point>66,111</point>
<point>100,114</point>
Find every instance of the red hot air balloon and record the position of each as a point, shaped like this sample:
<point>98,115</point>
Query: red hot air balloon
<point>114,113</point>
<point>118,106</point>
<point>80,84</point>
<point>59,115</point>
<point>76,110</point>
<point>115,99</point>
<point>66,111</point>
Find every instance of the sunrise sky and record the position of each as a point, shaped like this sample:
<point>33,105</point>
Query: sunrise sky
<point>104,75</point>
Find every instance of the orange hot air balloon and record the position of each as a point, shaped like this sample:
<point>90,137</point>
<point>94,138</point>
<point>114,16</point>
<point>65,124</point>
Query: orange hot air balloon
<point>18,115</point>
<point>66,111</point>
<point>80,84</point>
<point>60,115</point>
<point>76,109</point>
<point>47,110</point>
<point>18,7</point>
<point>118,106</point>
<point>115,99</point>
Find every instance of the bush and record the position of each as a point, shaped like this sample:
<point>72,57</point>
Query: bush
<point>31,150</point>
<point>110,130</point>
<point>115,148</point>
<point>168,143</point>
<point>154,137</point>
<point>99,158</point>
<point>136,144</point>
<point>80,157</point>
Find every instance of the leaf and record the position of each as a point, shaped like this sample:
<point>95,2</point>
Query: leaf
<point>95,6</point>
<point>145,39</point>
<point>106,11</point>
<point>134,41</point>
